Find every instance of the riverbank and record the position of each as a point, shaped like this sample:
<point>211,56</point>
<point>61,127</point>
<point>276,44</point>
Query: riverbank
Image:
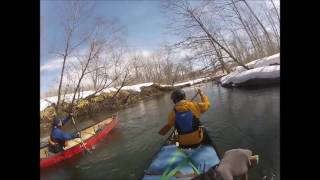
<point>263,72</point>
<point>109,102</point>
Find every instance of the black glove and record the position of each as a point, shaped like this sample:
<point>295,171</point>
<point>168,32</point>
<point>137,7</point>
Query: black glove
<point>200,92</point>
<point>77,135</point>
<point>70,115</point>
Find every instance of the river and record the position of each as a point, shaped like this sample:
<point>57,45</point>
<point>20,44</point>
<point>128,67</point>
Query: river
<point>237,118</point>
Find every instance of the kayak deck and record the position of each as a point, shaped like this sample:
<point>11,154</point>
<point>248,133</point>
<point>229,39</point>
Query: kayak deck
<point>182,163</point>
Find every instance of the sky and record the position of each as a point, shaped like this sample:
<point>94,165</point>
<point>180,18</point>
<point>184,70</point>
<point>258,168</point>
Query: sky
<point>144,23</point>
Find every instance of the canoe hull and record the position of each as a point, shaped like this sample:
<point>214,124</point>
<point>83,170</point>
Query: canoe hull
<point>78,148</point>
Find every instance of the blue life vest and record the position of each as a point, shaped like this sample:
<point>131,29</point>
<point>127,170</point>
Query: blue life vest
<point>186,122</point>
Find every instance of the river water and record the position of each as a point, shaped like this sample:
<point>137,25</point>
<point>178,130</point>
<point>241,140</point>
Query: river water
<point>238,118</point>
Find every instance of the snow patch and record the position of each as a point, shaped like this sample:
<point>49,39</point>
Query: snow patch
<point>264,68</point>
<point>266,61</point>
<point>136,87</point>
<point>45,102</point>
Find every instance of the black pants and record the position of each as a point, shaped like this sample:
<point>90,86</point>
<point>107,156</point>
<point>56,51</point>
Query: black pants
<point>55,148</point>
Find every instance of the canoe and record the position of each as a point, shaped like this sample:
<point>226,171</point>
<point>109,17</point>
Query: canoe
<point>90,135</point>
<point>171,162</point>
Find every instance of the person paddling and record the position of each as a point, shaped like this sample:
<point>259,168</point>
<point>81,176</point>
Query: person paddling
<point>58,138</point>
<point>185,117</point>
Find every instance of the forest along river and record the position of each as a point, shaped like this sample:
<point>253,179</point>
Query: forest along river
<point>238,118</point>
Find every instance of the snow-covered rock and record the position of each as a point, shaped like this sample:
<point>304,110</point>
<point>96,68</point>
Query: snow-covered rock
<point>267,61</point>
<point>265,70</point>
<point>257,74</point>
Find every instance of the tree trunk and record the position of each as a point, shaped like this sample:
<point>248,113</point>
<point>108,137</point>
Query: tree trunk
<point>275,10</point>
<point>83,73</point>
<point>257,40</point>
<point>122,84</point>
<point>260,23</point>
<point>220,58</point>
<point>249,33</point>
<point>65,92</point>
<point>274,28</point>
<point>65,55</point>
<point>214,40</point>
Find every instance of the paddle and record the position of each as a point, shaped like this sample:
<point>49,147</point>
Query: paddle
<point>195,95</point>
<point>82,143</point>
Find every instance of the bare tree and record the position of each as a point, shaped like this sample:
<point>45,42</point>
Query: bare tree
<point>193,18</point>
<point>167,63</point>
<point>273,23</point>
<point>123,82</point>
<point>101,75</point>
<point>220,58</point>
<point>74,12</point>
<point>275,10</point>
<point>253,39</point>
<point>179,71</point>
<point>160,66</point>
<point>136,62</point>
<point>95,49</point>
<point>266,33</point>
<point>229,30</point>
<point>102,34</point>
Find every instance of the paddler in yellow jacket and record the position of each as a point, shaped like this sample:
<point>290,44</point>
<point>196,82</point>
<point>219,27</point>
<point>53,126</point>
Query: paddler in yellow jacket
<point>185,116</point>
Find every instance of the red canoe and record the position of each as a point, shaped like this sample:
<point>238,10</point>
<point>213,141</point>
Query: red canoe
<point>90,137</point>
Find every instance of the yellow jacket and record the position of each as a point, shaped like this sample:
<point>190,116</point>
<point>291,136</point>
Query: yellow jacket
<point>196,108</point>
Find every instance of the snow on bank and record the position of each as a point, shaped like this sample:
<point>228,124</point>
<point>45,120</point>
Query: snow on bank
<point>266,61</point>
<point>45,102</point>
<point>263,68</point>
<point>191,82</point>
<point>136,87</point>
